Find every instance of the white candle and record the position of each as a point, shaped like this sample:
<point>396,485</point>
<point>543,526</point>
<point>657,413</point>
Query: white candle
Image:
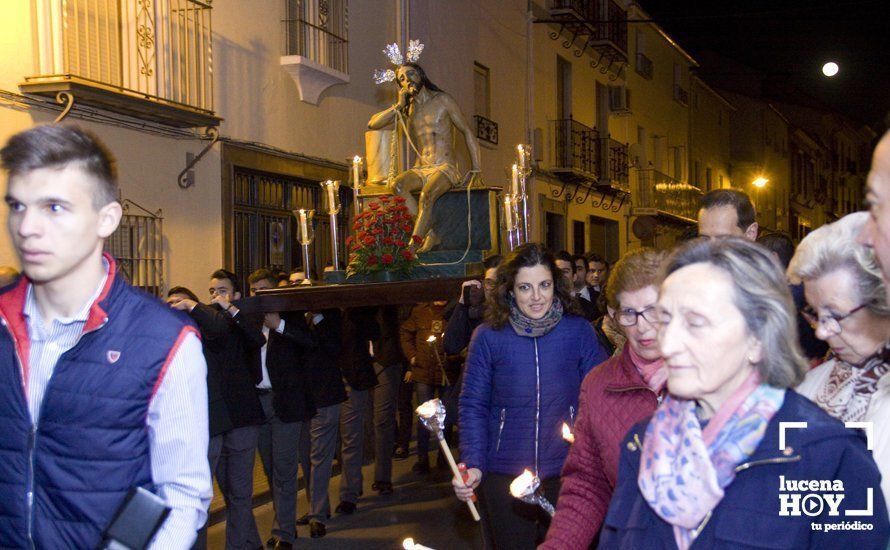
<point>356,171</point>
<point>508,212</point>
<point>515,180</point>
<point>332,206</point>
<point>521,151</point>
<point>304,229</point>
<point>523,485</point>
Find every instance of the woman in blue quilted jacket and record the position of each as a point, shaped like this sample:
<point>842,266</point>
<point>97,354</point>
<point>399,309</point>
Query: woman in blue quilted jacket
<point>524,371</point>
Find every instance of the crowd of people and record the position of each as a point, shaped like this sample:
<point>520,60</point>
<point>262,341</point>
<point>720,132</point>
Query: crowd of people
<point>698,396</point>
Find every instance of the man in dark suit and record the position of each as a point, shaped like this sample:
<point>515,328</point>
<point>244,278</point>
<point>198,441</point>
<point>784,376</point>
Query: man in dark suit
<point>231,341</point>
<point>287,402</point>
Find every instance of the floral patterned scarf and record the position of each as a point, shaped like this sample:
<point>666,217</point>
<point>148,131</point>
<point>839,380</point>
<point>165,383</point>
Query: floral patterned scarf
<point>849,388</point>
<point>532,328</point>
<point>684,468</point>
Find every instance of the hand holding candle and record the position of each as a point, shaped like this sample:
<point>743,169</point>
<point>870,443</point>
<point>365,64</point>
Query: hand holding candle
<point>432,415</point>
<point>527,487</point>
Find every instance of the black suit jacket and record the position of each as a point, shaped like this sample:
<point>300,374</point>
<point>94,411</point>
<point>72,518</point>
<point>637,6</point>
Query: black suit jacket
<point>286,360</point>
<point>230,346</point>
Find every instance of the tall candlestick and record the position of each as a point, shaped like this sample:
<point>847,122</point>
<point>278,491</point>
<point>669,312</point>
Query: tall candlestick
<point>515,180</point>
<point>356,182</point>
<point>520,149</point>
<point>304,227</point>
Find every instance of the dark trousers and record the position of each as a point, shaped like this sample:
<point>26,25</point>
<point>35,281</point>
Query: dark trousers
<point>405,413</point>
<point>510,523</point>
<point>385,396</point>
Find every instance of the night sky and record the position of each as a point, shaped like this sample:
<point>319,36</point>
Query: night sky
<point>789,42</point>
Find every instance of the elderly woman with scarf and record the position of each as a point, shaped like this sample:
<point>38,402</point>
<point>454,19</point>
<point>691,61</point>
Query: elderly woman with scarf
<point>717,465</point>
<point>849,311</point>
<point>524,371</point>
<point>614,396</point>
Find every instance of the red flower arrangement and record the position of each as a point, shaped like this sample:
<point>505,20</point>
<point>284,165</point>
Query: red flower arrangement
<point>382,238</point>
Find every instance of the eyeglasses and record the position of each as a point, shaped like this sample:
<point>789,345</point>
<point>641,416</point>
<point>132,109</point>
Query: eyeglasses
<point>630,317</point>
<point>831,323</point>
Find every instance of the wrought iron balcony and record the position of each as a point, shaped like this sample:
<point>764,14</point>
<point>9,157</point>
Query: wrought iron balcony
<point>613,157</point>
<point>667,195</point>
<point>600,24</point>
<point>575,150</point>
<point>316,43</point>
<point>645,68</point>
<point>150,60</point>
<point>486,130</point>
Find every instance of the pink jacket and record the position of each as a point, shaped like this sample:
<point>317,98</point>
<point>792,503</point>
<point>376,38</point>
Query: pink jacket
<point>613,399</point>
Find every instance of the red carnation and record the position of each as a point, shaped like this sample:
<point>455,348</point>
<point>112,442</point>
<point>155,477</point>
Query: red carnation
<point>417,239</point>
<point>399,200</point>
<point>360,235</point>
<point>387,240</point>
<point>369,240</point>
<point>374,205</point>
<point>372,260</point>
<point>406,227</point>
<point>400,243</point>
<point>377,231</point>
<point>386,259</point>
<point>407,254</point>
<point>357,225</point>
<point>349,240</point>
<point>384,198</point>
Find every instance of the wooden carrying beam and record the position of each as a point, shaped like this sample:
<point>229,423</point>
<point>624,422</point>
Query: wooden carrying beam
<point>314,298</point>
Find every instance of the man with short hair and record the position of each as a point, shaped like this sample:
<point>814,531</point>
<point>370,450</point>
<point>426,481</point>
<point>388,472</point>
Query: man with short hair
<point>597,274</point>
<point>287,402</point>
<point>102,388</point>
<point>727,212</point>
<point>876,233</point>
<point>232,341</point>
<point>581,291</point>
<point>566,267</point>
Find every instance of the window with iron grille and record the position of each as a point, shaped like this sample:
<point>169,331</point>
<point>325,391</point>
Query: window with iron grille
<point>318,30</point>
<point>137,246</point>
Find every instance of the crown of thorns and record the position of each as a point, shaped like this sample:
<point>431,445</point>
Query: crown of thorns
<point>394,54</point>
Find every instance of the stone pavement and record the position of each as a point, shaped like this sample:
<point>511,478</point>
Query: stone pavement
<point>421,506</point>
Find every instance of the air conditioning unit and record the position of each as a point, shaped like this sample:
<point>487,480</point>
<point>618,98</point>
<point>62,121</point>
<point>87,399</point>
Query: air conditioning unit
<point>619,99</point>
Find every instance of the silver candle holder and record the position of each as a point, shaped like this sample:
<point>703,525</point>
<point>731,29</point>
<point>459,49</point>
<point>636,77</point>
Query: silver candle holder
<point>527,488</point>
<point>306,234</point>
<point>524,166</point>
<point>356,183</point>
<point>332,204</point>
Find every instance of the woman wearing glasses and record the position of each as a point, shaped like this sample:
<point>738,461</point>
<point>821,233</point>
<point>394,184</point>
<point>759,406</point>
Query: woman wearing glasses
<point>718,465</point>
<point>614,396</point>
<point>848,310</point>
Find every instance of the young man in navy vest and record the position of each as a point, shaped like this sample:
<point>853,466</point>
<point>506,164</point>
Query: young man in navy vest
<point>102,387</point>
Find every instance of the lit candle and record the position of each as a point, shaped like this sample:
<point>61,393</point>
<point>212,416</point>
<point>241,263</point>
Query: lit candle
<point>516,179</point>
<point>520,149</point>
<point>523,485</point>
<point>567,433</point>
<point>508,212</point>
<point>409,544</point>
<point>304,228</point>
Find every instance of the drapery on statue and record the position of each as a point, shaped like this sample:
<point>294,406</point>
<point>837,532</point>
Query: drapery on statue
<point>428,114</point>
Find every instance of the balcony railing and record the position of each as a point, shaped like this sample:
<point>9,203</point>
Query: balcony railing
<point>152,60</point>
<point>575,149</point>
<point>668,195</point>
<point>317,44</point>
<point>645,68</point>
<point>602,22</point>
<point>486,130</point>
<point>614,158</point>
